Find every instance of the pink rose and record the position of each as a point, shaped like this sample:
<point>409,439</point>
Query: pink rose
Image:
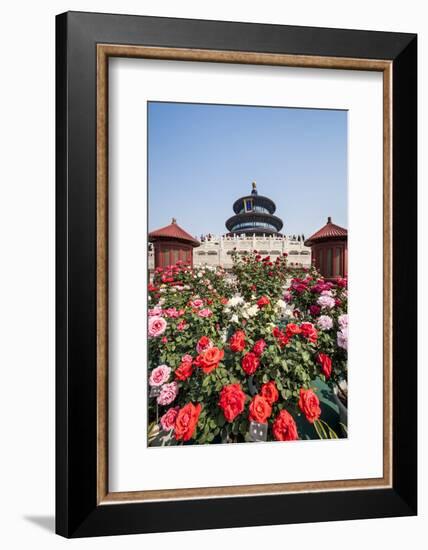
<point>168,419</point>
<point>186,358</point>
<point>168,393</point>
<point>181,325</point>
<point>159,375</point>
<point>155,312</point>
<point>197,303</point>
<point>172,312</point>
<point>205,312</point>
<point>157,326</point>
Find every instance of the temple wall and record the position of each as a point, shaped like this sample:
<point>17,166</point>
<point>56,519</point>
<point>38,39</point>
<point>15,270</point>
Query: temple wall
<point>216,251</point>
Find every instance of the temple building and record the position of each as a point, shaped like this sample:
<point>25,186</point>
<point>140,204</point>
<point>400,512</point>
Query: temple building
<point>171,244</point>
<point>254,215</point>
<point>329,247</point>
<point>254,226</point>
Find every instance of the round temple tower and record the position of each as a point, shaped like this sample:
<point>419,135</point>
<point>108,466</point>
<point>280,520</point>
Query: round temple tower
<point>254,215</point>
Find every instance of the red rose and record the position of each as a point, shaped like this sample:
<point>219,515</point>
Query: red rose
<point>184,371</point>
<point>314,310</point>
<point>282,338</point>
<point>309,405</point>
<point>237,341</point>
<point>292,329</point>
<point>263,301</point>
<point>185,423</point>
<point>325,362</point>
<point>284,428</point>
<point>260,410</point>
<point>203,344</point>
<point>232,400</point>
<point>209,359</point>
<point>309,332</point>
<point>259,347</point>
<point>250,363</point>
<point>270,392</point>
<point>276,332</point>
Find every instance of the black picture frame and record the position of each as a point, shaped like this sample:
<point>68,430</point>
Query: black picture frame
<point>77,511</point>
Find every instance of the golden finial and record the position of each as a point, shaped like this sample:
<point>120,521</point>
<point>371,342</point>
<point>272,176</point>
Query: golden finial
<point>254,184</point>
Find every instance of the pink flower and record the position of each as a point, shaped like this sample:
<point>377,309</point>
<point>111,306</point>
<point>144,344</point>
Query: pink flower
<point>206,312</point>
<point>168,419</point>
<point>325,322</point>
<point>288,297</point>
<point>186,358</point>
<point>181,325</point>
<point>172,312</point>
<point>159,375</point>
<point>342,338</point>
<point>168,393</point>
<point>326,301</point>
<point>155,312</point>
<point>197,303</point>
<point>326,293</point>
<point>157,326</point>
<point>343,321</point>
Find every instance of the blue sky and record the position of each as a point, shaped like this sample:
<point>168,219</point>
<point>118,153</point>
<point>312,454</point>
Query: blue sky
<point>203,157</point>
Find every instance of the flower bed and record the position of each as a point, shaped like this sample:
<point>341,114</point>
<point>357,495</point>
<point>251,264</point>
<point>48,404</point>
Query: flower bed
<point>228,353</point>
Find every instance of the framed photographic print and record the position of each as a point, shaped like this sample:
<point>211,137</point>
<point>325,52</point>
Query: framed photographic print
<point>236,241</point>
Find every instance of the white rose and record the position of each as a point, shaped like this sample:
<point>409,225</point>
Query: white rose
<point>252,311</point>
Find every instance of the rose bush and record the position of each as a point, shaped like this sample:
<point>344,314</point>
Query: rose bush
<point>226,350</point>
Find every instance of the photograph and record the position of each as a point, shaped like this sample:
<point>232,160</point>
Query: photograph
<point>247,264</point>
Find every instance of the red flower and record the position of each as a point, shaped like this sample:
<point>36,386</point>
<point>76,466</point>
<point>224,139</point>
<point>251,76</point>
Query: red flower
<point>250,363</point>
<point>309,405</point>
<point>284,427</point>
<point>209,359</point>
<point>259,347</point>
<point>309,332</point>
<point>260,410</point>
<point>237,341</point>
<point>270,392</point>
<point>314,310</point>
<point>253,287</point>
<point>342,283</point>
<point>325,362</point>
<point>185,423</point>
<point>263,301</point>
<point>292,329</point>
<point>299,288</point>
<point>203,344</point>
<point>282,338</point>
<point>232,400</point>
<point>184,371</point>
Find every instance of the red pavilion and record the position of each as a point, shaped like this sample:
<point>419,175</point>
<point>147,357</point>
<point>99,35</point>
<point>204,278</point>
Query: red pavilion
<point>172,244</point>
<point>330,250</point>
